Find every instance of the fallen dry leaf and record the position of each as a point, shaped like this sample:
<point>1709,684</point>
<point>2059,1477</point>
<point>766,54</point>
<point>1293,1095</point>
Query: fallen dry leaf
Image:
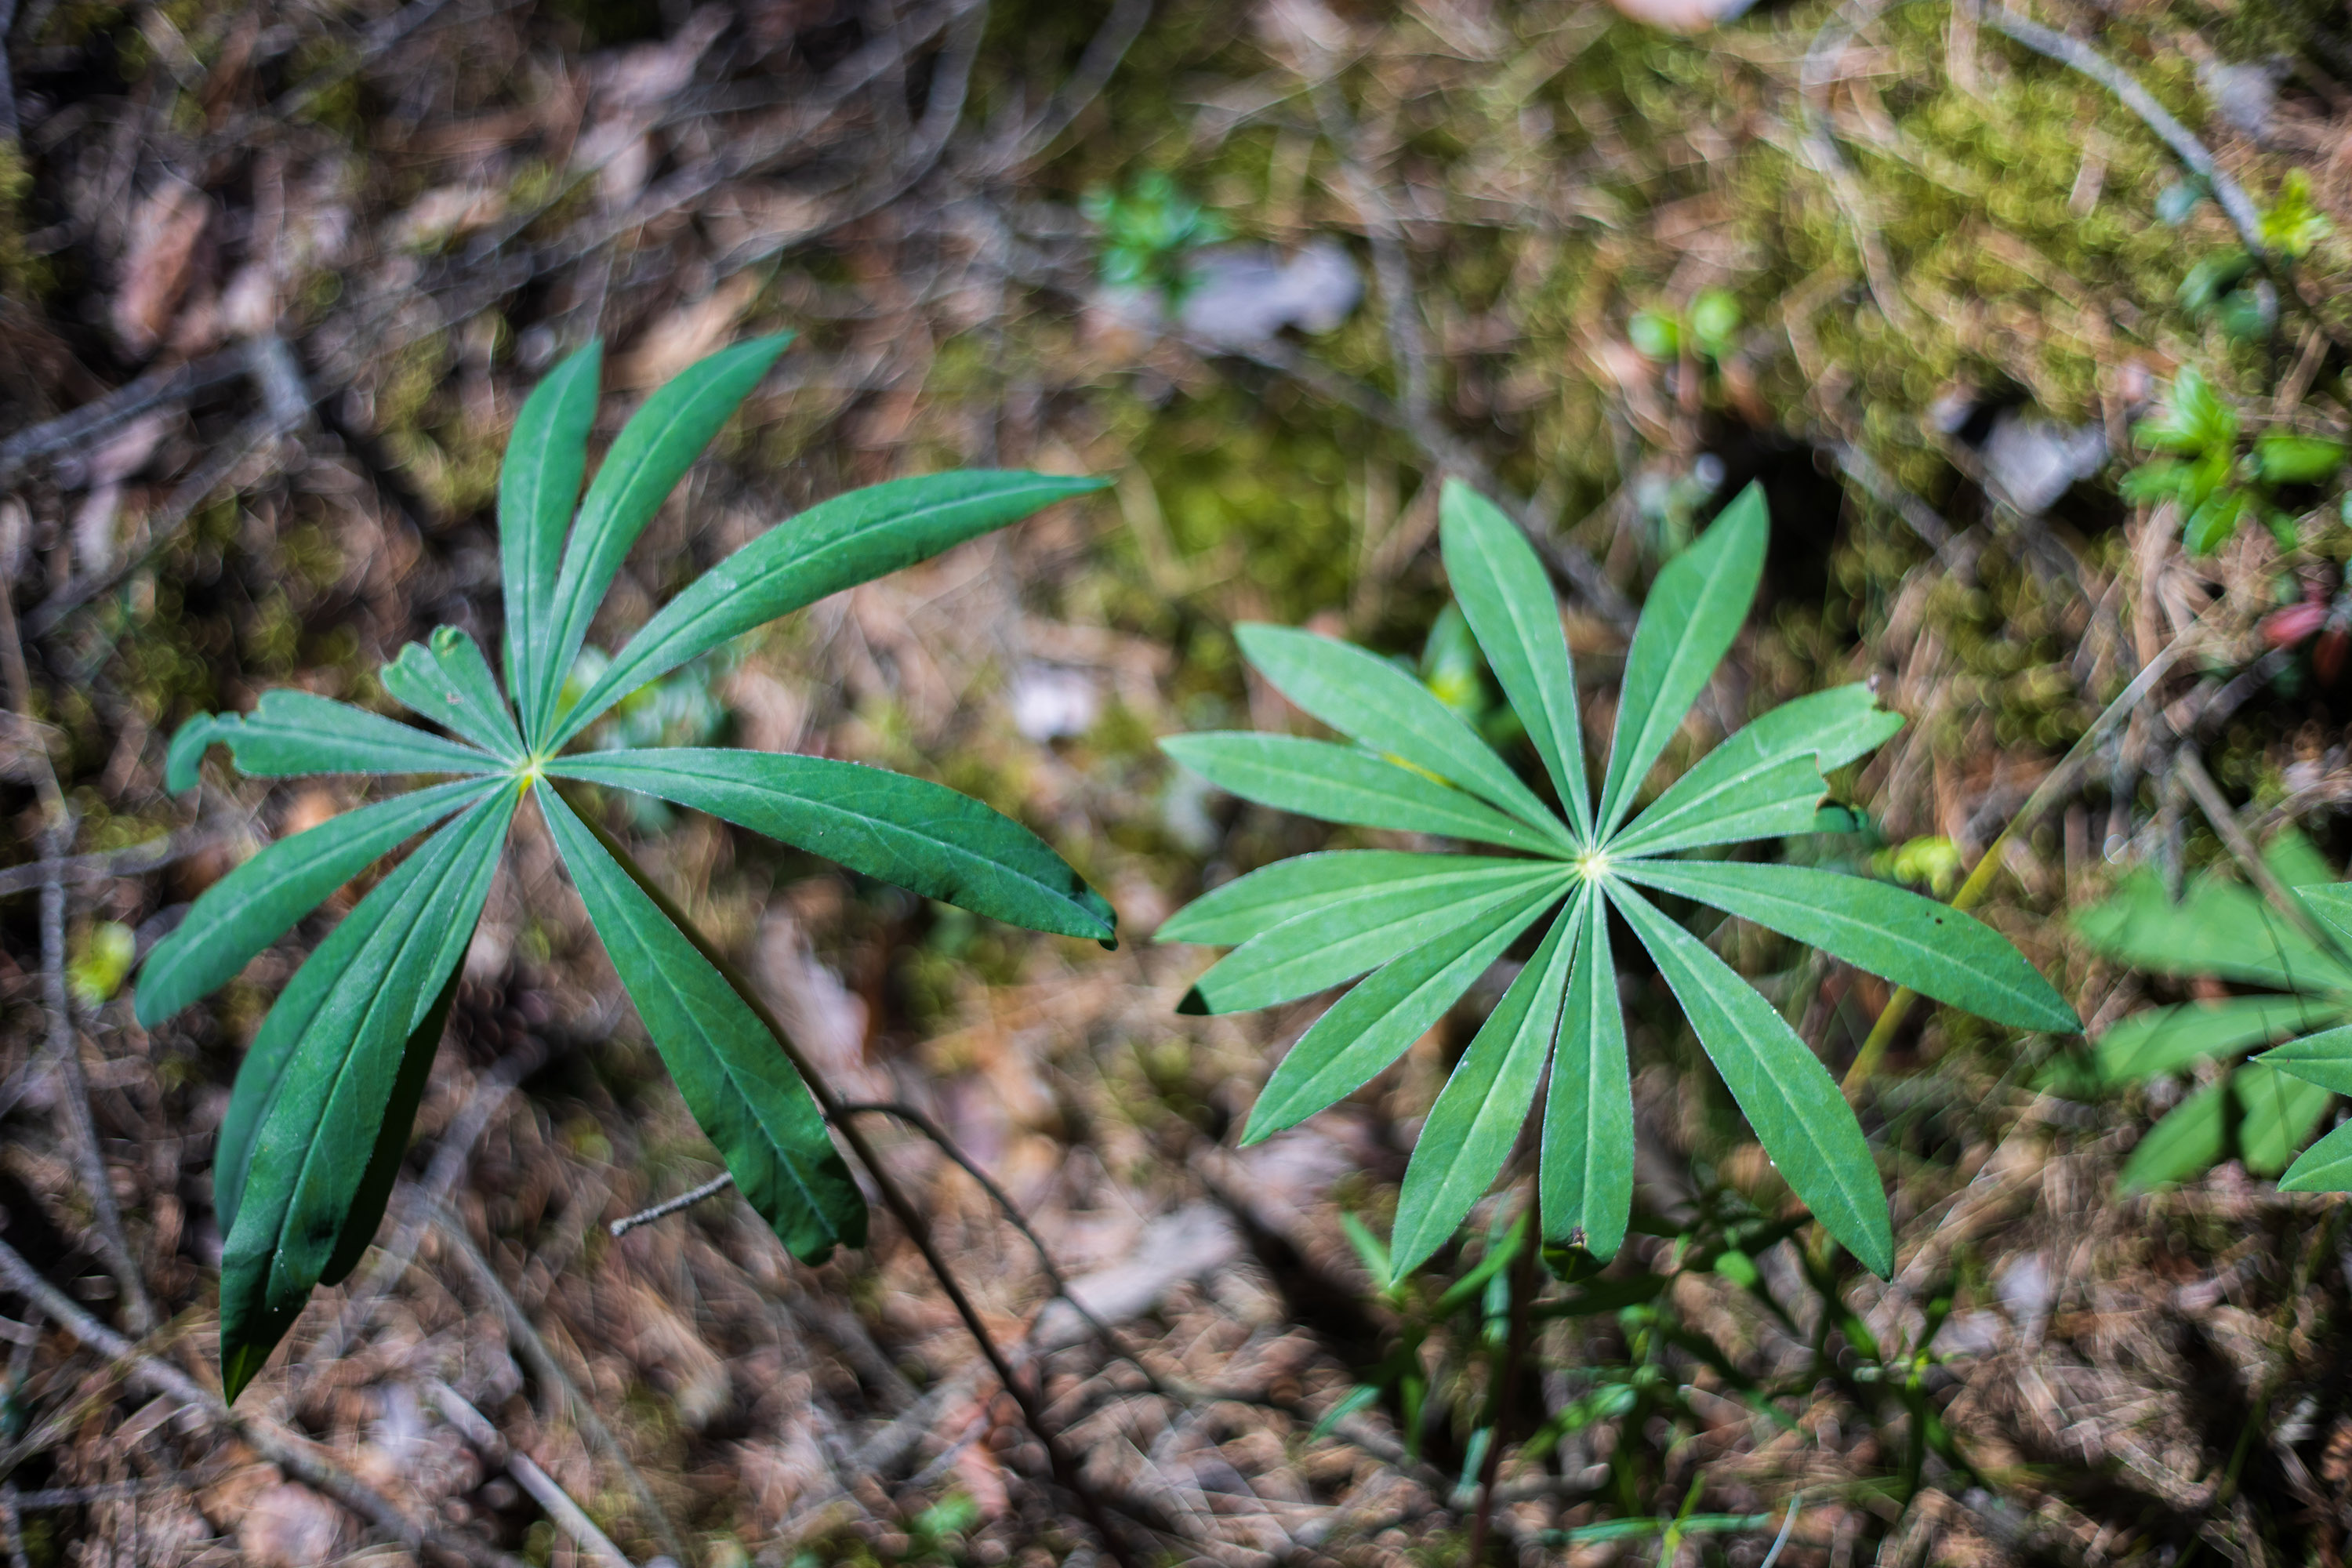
<point>156,266</point>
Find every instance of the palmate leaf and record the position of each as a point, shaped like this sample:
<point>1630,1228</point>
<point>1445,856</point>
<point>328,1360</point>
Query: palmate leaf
<point>651,454</point>
<point>1476,1119</point>
<point>1930,947</point>
<point>260,901</point>
<point>915,835</point>
<point>291,733</point>
<point>1786,1094</point>
<point>742,1091</point>
<point>329,1089</point>
<point>1311,921</point>
<point>319,1120</point>
<point>1694,610</point>
<point>2325,1167</point>
<point>836,544</point>
<point>1371,700</point>
<point>1506,598</point>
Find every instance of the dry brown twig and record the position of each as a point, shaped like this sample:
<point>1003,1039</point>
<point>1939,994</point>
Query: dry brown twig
<point>299,1459</point>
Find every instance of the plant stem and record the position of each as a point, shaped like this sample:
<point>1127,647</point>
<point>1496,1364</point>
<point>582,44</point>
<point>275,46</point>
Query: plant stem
<point>1980,880</point>
<point>1523,1287</point>
<point>894,1199</point>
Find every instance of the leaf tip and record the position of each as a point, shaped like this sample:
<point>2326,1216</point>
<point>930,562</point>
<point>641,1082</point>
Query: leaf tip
<point>189,744</point>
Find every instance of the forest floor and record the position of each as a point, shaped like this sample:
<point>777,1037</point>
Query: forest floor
<point>275,276</point>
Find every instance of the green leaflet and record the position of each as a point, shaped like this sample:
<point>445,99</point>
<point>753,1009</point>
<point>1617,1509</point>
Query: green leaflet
<point>1506,597</point>
<point>539,483</point>
<point>1694,612</point>
<point>918,835</point>
<point>834,545</point>
<point>2166,1039</point>
<point>1371,700</point>
<point>648,457</point>
<point>1765,780</point>
<point>2219,928</point>
<point>2332,902</point>
<point>1788,1096</point>
<point>293,733</point>
<point>1250,905</point>
<point>448,682</point>
<point>1930,947</point>
<point>1586,1179</point>
<point>1371,1026</point>
<point>2325,1167</point>
<point>2281,1112</point>
<point>1476,1119</point>
<point>260,901</point>
<point>327,1081</point>
<point>2325,1059</point>
<point>742,1089</point>
<point>2191,1137</point>
<point>1339,783</point>
<point>1343,938</point>
<point>2270,1113</point>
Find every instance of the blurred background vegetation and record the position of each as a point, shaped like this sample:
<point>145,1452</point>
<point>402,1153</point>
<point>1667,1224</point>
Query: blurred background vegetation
<point>2032,326</point>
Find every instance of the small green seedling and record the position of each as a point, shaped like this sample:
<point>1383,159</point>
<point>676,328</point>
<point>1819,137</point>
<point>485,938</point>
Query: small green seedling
<point>2202,472</point>
<point>321,1113</point>
<point>1711,328</point>
<point>2260,1112</point>
<point>1427,925</point>
<point>1149,233</point>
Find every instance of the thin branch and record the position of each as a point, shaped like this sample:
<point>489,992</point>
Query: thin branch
<point>138,859</point>
<point>2053,785</point>
<point>668,1206</point>
<point>1103,54</point>
<point>63,1044</point>
<point>902,1208</point>
<point>297,1456</point>
<point>2079,56</point>
<point>567,1515</point>
<point>126,401</point>
<point>543,1364</point>
<point>2216,807</point>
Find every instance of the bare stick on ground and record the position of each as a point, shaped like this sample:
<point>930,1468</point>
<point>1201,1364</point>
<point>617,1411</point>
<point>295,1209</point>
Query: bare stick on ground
<point>298,1457</point>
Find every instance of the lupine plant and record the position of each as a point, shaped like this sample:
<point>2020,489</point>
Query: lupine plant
<point>2296,981</point>
<point>1427,924</point>
<point>324,1101</point>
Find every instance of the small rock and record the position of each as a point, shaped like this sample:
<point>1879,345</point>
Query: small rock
<point>291,1526</point>
<point>1683,16</point>
<point>2030,461</point>
<point>1049,703</point>
<point>1248,295</point>
<point>2027,1292</point>
<point>2245,97</point>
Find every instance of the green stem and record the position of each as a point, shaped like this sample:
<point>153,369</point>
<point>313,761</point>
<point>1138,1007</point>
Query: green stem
<point>894,1199</point>
<point>1979,882</point>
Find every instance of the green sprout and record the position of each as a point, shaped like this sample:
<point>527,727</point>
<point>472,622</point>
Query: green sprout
<point>2202,471</point>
